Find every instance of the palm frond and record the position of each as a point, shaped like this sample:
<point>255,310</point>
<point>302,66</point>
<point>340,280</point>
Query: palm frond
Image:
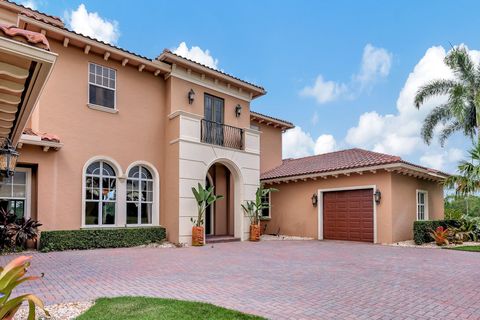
<point>462,65</point>
<point>433,88</point>
<point>440,114</point>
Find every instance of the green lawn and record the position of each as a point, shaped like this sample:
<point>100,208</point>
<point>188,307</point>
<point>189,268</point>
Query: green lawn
<point>142,308</point>
<point>466,248</point>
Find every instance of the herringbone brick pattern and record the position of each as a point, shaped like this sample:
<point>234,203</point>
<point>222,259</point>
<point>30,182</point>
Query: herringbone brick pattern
<point>276,279</point>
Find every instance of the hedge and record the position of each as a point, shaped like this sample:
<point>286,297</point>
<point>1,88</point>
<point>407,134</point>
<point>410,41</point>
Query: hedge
<point>422,229</point>
<point>99,238</point>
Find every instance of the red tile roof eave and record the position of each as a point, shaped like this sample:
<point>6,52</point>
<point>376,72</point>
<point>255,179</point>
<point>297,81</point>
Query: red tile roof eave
<point>288,124</point>
<point>163,56</point>
<point>36,11</point>
<point>369,167</point>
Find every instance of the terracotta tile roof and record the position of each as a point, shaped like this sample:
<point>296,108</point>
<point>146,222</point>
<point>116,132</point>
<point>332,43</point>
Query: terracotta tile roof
<point>34,38</point>
<point>82,35</point>
<point>258,114</point>
<point>334,161</point>
<point>34,11</point>
<point>216,70</point>
<point>43,135</point>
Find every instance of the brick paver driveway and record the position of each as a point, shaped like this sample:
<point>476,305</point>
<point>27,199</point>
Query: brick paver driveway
<point>276,279</point>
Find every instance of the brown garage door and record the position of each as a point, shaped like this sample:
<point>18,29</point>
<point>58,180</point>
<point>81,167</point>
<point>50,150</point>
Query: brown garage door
<point>348,215</point>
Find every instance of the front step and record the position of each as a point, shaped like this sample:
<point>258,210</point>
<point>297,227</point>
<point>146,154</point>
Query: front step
<point>220,239</point>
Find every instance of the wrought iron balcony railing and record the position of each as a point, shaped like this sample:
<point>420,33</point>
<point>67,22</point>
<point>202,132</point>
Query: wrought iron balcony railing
<point>221,134</point>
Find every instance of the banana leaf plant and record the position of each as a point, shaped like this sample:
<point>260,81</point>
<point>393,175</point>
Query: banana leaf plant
<point>253,209</point>
<point>204,197</point>
<point>10,277</point>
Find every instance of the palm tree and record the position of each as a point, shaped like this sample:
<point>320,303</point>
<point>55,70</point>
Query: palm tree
<point>462,110</point>
<point>467,181</point>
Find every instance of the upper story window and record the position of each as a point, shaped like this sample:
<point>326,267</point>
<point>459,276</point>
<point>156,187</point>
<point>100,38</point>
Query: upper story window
<point>101,86</point>
<point>422,205</point>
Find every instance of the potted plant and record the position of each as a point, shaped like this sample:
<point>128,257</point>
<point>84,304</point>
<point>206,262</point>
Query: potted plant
<point>253,210</point>
<point>204,198</point>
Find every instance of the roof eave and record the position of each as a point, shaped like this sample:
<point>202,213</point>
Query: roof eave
<point>172,58</point>
<point>260,118</point>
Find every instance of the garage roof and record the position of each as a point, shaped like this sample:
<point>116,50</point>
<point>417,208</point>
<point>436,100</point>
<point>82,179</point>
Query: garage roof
<point>344,161</point>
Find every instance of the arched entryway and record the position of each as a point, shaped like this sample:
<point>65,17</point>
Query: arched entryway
<point>220,217</point>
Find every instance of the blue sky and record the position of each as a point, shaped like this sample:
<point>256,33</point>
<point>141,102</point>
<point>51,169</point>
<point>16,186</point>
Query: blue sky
<point>344,72</point>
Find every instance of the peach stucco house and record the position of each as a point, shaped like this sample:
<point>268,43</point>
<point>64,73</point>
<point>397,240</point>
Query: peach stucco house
<point>118,140</point>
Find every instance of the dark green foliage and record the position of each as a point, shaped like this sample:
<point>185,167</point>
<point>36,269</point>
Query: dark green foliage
<point>457,207</point>
<point>99,238</point>
<point>422,229</point>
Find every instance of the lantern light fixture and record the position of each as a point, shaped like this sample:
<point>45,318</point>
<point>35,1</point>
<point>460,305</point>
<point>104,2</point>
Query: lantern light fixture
<point>191,96</point>
<point>8,159</point>
<point>314,200</point>
<point>238,110</point>
<point>378,196</point>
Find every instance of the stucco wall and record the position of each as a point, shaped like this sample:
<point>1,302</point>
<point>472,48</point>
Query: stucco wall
<point>293,214</point>
<point>270,147</point>
<point>136,132</point>
<point>404,204</point>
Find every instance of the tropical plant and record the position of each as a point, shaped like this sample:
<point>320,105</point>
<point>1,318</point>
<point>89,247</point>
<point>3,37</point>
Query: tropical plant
<point>458,207</point>
<point>467,180</point>
<point>461,112</point>
<point>204,197</point>
<point>253,209</point>
<point>14,232</point>
<point>10,277</point>
<point>440,235</point>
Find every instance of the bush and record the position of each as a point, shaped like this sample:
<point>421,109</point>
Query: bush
<point>422,229</point>
<point>99,238</point>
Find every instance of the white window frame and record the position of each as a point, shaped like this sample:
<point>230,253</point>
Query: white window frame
<point>269,208</point>
<point>28,191</point>
<point>152,202</point>
<point>100,201</point>
<point>97,106</point>
<point>425,205</point>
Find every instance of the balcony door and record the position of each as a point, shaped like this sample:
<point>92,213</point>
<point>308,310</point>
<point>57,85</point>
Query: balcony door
<point>214,114</point>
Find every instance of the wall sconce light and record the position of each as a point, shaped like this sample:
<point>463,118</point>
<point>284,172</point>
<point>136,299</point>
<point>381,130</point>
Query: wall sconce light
<point>238,110</point>
<point>314,200</point>
<point>191,96</point>
<point>8,159</point>
<point>378,196</point>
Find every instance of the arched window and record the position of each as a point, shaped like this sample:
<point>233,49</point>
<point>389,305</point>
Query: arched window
<point>139,196</point>
<point>100,194</point>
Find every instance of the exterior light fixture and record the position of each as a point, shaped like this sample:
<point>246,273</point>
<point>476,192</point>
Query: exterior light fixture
<point>238,110</point>
<point>314,200</point>
<point>378,196</point>
<point>8,159</point>
<point>191,96</point>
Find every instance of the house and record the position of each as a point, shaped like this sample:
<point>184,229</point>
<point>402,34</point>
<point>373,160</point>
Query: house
<point>117,140</point>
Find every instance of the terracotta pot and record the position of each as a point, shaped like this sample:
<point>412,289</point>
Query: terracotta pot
<point>254,232</point>
<point>31,244</point>
<point>198,236</point>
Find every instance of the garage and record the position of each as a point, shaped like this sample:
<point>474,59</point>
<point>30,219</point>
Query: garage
<point>348,215</point>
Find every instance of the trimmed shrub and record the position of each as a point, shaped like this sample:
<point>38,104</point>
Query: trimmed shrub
<point>99,238</point>
<point>422,229</point>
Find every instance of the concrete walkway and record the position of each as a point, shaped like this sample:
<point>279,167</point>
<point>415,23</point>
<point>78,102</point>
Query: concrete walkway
<point>275,279</point>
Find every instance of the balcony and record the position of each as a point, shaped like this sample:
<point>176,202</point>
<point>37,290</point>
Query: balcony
<point>221,134</point>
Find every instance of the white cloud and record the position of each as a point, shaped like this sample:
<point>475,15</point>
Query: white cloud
<point>438,160</point>
<point>399,133</point>
<point>298,143</point>
<point>93,25</point>
<point>29,4</point>
<point>376,63</point>
<point>324,91</point>
<point>196,54</point>
<point>324,144</point>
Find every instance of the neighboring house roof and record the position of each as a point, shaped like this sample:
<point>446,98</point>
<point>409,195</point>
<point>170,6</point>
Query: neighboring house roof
<point>269,120</point>
<point>33,38</point>
<point>168,54</point>
<point>343,161</point>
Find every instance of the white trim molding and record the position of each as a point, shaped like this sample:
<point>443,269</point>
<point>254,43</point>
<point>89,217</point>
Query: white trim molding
<point>425,204</point>
<point>320,193</point>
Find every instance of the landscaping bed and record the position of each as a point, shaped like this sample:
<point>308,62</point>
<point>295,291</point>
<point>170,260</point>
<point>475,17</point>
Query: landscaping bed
<point>433,245</point>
